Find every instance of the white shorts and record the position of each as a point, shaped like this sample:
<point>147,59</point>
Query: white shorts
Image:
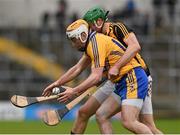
<point>104,91</point>
<point>107,89</point>
<point>133,102</point>
<point>147,106</point>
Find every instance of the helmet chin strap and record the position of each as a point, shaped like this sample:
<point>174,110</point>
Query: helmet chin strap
<point>82,49</point>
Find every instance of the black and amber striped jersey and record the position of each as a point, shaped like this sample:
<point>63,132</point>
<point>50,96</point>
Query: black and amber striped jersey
<point>105,51</point>
<point>120,31</point>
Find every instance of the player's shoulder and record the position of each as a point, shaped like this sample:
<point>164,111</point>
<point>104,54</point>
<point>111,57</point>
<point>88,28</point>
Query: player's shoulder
<point>97,40</point>
<point>97,36</point>
<point>119,24</point>
<point>121,30</point>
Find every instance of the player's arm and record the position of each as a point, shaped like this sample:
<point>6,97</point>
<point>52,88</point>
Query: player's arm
<point>133,47</point>
<point>94,78</point>
<point>74,71</point>
<point>69,75</point>
<point>97,52</point>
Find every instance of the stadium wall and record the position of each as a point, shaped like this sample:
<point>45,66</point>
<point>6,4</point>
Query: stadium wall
<point>27,13</point>
<point>33,112</point>
<point>8,112</point>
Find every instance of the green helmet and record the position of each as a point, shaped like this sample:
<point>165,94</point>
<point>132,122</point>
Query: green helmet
<point>95,13</point>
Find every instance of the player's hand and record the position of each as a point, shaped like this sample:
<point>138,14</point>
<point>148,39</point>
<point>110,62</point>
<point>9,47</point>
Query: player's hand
<point>113,72</point>
<point>48,90</point>
<point>65,96</point>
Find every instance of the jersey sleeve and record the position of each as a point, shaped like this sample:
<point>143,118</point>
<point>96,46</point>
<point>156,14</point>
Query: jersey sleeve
<point>97,53</point>
<point>121,31</point>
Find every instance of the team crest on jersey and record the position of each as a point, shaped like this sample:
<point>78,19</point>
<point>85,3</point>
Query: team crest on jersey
<point>131,86</point>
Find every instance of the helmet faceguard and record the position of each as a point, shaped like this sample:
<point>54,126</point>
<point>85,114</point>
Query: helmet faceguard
<point>76,29</point>
<point>76,33</point>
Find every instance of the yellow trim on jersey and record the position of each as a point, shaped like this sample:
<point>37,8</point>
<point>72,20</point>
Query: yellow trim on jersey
<point>127,36</point>
<point>95,52</point>
<point>132,86</point>
<point>105,51</point>
<point>123,29</point>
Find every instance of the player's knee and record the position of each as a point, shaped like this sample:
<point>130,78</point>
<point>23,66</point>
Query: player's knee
<point>152,127</point>
<point>100,117</point>
<point>128,124</point>
<point>83,113</point>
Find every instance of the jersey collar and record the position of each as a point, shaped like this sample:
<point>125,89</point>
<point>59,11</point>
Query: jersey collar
<point>90,35</point>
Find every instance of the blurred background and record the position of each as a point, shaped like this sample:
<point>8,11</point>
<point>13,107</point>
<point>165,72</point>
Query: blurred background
<point>34,52</point>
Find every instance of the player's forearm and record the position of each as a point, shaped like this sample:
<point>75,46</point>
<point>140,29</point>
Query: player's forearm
<point>91,81</point>
<point>132,49</point>
<point>129,54</point>
<point>73,72</point>
<point>68,76</point>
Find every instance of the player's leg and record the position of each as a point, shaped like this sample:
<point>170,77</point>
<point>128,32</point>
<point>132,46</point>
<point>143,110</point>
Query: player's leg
<point>91,106</point>
<point>109,108</point>
<point>148,120</point>
<point>130,112</point>
<point>84,113</point>
<point>132,89</point>
<point>146,115</point>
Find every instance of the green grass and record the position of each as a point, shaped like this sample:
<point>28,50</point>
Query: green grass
<point>168,126</point>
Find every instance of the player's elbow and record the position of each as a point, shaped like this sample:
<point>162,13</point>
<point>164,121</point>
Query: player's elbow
<point>133,43</point>
<point>77,69</point>
<point>138,48</point>
<point>97,78</point>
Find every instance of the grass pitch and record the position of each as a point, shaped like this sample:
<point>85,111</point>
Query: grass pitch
<point>168,126</point>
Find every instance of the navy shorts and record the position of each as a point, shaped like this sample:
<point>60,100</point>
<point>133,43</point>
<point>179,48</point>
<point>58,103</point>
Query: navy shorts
<point>133,85</point>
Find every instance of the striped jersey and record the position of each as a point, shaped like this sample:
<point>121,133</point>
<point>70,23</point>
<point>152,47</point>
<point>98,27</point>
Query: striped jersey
<point>105,51</point>
<point>120,31</point>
